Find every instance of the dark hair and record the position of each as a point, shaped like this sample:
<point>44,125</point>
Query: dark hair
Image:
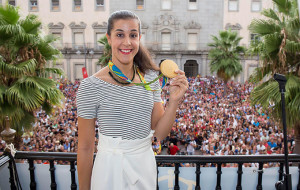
<point>142,59</point>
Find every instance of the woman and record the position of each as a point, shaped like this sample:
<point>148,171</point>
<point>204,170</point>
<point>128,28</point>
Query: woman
<point>127,114</point>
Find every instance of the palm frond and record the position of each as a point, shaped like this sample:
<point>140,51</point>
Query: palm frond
<point>263,27</point>
<point>259,74</point>
<point>283,5</point>
<point>272,42</point>
<point>31,24</point>
<point>11,30</point>
<point>265,93</point>
<point>103,60</point>
<point>292,46</point>
<point>26,67</point>
<point>24,96</point>
<point>270,13</point>
<point>2,93</point>
<point>54,70</point>
<point>9,15</point>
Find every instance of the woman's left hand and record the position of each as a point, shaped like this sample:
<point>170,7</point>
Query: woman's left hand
<point>178,86</point>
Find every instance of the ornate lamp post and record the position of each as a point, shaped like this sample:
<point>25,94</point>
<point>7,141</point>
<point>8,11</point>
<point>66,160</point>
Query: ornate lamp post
<point>8,134</point>
<point>86,52</point>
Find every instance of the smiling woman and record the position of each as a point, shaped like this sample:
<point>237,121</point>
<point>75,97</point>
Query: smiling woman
<point>128,114</point>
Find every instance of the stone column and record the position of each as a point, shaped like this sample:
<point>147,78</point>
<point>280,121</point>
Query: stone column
<point>243,72</point>
<point>204,65</point>
<point>89,63</point>
<point>178,60</point>
<point>67,57</point>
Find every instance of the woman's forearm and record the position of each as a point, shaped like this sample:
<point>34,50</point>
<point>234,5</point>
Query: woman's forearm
<point>84,166</point>
<point>165,123</point>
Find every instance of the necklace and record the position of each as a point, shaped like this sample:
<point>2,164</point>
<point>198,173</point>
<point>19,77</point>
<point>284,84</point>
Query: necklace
<point>119,80</point>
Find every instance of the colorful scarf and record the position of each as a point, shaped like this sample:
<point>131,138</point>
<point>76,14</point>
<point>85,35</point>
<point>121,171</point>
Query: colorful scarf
<point>119,73</point>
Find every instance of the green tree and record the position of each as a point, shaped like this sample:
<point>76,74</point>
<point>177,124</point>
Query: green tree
<point>278,49</point>
<point>225,55</point>
<point>24,78</point>
<point>106,56</point>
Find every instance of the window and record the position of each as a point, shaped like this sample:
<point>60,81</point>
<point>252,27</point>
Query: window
<point>256,5</point>
<point>77,5</point>
<point>192,41</point>
<point>12,2</point>
<point>166,41</point>
<point>233,5</point>
<point>99,3</point>
<point>78,71</point>
<point>275,8</point>
<point>54,5</point>
<point>254,37</point>
<point>166,4</point>
<point>192,5</point>
<point>78,39</point>
<point>98,37</point>
<point>58,43</point>
<point>33,5</point>
<point>140,4</point>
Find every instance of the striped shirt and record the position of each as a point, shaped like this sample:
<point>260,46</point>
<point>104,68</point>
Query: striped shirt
<point>121,111</point>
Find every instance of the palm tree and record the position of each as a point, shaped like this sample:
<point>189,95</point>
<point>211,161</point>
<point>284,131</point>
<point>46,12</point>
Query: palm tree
<point>24,85</point>
<point>278,48</point>
<point>225,55</point>
<point>106,56</point>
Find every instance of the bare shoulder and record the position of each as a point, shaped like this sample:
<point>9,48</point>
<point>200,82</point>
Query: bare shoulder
<point>102,74</point>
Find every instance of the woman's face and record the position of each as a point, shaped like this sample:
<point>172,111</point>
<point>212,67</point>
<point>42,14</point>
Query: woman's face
<point>124,40</point>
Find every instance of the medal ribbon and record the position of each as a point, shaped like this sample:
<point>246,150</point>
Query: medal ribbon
<point>119,73</point>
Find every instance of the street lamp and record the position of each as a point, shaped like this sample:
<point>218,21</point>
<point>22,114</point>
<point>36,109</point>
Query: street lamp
<point>86,52</point>
<point>285,184</point>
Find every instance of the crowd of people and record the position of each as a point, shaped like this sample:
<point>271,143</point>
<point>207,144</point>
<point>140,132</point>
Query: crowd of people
<point>213,119</point>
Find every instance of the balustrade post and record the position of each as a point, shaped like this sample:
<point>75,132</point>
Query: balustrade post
<point>298,186</point>
<point>280,171</point>
<point>157,187</point>
<point>73,170</point>
<point>219,172</point>
<point>260,173</point>
<point>32,177</point>
<point>52,175</point>
<point>176,172</point>
<point>198,172</point>
<point>240,172</point>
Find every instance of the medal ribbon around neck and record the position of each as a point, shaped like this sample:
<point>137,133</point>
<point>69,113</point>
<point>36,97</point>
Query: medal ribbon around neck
<point>119,73</point>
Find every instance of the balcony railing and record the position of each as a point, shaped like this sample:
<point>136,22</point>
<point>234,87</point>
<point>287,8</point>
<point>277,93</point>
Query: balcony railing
<point>195,47</point>
<point>197,160</point>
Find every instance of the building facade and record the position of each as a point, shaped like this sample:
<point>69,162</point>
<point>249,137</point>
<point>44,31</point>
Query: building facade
<point>171,29</point>
<point>238,15</point>
<point>78,24</point>
<point>177,29</point>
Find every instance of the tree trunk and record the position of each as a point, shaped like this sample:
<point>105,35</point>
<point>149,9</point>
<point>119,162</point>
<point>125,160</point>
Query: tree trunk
<point>17,141</point>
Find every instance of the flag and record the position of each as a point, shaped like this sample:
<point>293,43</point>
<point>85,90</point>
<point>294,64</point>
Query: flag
<point>84,73</point>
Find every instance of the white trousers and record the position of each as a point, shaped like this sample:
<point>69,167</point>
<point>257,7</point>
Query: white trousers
<point>124,164</point>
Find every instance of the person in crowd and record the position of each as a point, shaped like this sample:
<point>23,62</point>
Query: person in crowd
<point>173,149</point>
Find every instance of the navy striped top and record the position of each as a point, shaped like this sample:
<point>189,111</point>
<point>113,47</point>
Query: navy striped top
<point>121,111</point>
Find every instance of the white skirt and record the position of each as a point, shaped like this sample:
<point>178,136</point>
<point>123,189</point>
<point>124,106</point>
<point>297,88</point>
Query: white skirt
<point>124,164</point>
